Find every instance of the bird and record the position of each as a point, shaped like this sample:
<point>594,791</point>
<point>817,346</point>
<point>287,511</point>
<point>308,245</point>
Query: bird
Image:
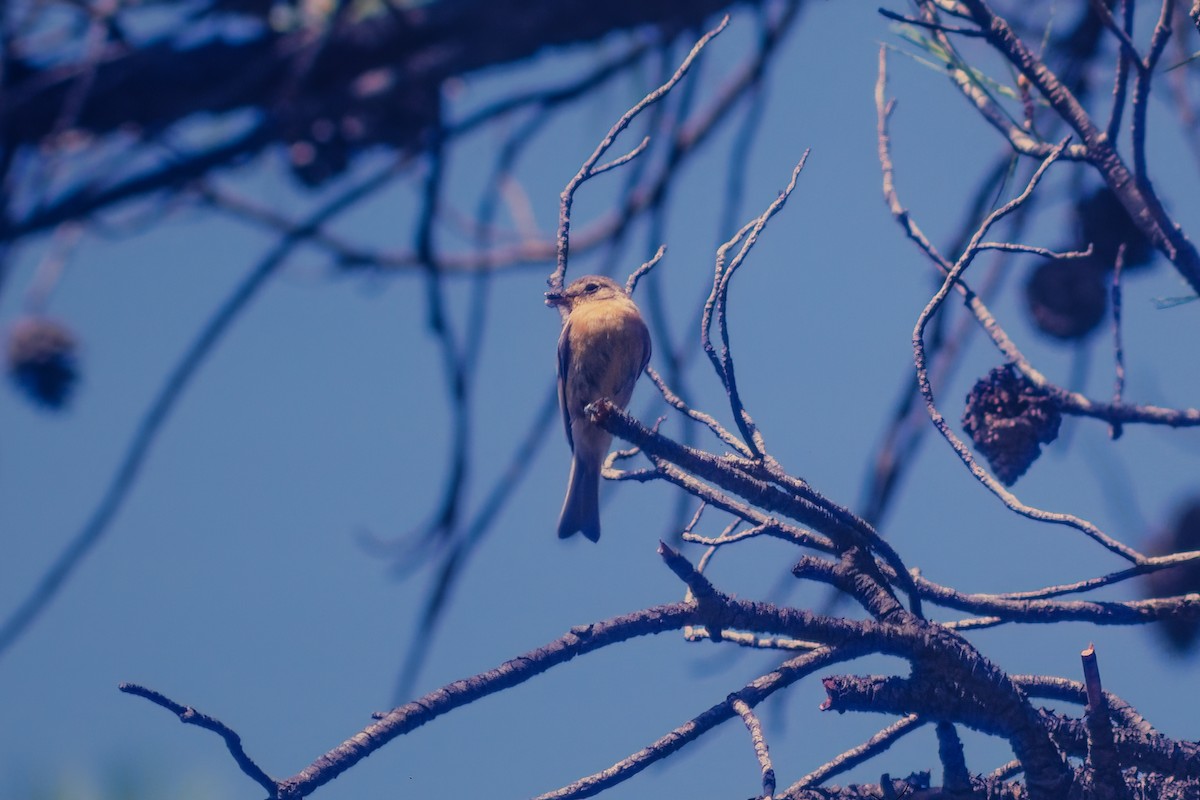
<point>603,349</point>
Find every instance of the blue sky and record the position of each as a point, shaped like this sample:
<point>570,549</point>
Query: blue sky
<point>234,580</point>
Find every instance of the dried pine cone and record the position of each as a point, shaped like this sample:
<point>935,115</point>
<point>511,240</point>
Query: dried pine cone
<point>1068,299</point>
<point>1183,535</point>
<point>1008,418</point>
<point>42,360</point>
<point>1106,225</point>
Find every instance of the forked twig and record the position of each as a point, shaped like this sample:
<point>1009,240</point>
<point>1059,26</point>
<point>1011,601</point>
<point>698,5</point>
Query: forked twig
<point>590,168</point>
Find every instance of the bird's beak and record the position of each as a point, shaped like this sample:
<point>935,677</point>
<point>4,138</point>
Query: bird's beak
<point>556,299</point>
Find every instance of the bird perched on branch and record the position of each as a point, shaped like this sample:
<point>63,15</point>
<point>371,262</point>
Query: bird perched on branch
<point>603,349</point>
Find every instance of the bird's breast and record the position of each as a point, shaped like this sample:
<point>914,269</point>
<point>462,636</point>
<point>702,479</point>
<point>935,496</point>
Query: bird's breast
<point>607,348</point>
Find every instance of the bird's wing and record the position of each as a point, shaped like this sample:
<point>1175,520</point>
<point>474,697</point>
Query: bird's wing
<point>645,349</point>
<point>564,364</point>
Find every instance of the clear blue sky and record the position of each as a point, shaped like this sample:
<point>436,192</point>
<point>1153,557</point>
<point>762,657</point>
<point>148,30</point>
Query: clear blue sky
<point>233,579</point>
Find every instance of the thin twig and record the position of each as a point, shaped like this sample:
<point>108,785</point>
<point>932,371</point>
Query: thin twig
<point>588,170</point>
<point>190,716</point>
<point>632,282</point>
<point>63,245</point>
<point>1076,692</point>
<point>933,26</point>
<point>708,421</point>
<point>1044,252</point>
<point>1144,566</point>
<point>672,121</point>
<point>1124,59</point>
<point>751,641</point>
<point>718,300</point>
<point>1128,612</point>
<point>1141,95</point>
<point>621,161</point>
<point>442,522</point>
<point>1006,771</point>
<point>853,757</point>
<point>728,537</point>
<point>780,530</point>
<point>1128,48</point>
<point>973,624</point>
<point>1118,345</point>
<point>883,110</point>
<point>753,693</point>
<point>761,752</point>
<point>579,641</point>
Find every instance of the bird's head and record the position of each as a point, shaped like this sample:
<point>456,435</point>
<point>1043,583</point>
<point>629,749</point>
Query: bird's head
<point>587,289</point>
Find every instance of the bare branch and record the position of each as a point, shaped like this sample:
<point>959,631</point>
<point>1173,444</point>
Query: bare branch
<point>753,693</point>
<point>728,537</point>
<point>1129,612</point>
<point>582,639</point>
<point>751,481</point>
<point>955,777</point>
<point>1118,346</point>
<point>632,282</point>
<point>1141,96</point>
<point>1145,566</point>
<point>852,758</point>
<point>621,161</point>
<point>190,716</point>
<point>760,744</point>
<point>884,109</point>
<point>933,26</point>
<point>1128,48</point>
<point>1102,752</point>
<point>588,170</point>
<point>1044,252</point>
<point>1126,56</point>
<point>1076,692</point>
<point>705,419</point>
<point>718,303</point>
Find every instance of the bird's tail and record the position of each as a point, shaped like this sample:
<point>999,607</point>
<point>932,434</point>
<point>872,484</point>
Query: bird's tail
<point>581,509</point>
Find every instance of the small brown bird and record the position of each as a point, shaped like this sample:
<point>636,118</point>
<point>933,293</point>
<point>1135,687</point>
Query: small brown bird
<point>603,349</point>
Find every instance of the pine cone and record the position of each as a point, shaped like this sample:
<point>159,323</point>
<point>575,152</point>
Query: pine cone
<point>43,360</point>
<point>1068,299</point>
<point>1008,418</point>
<point>1183,535</point>
<point>1106,225</point>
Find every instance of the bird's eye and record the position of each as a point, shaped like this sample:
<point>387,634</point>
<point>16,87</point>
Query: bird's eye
<point>591,287</point>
